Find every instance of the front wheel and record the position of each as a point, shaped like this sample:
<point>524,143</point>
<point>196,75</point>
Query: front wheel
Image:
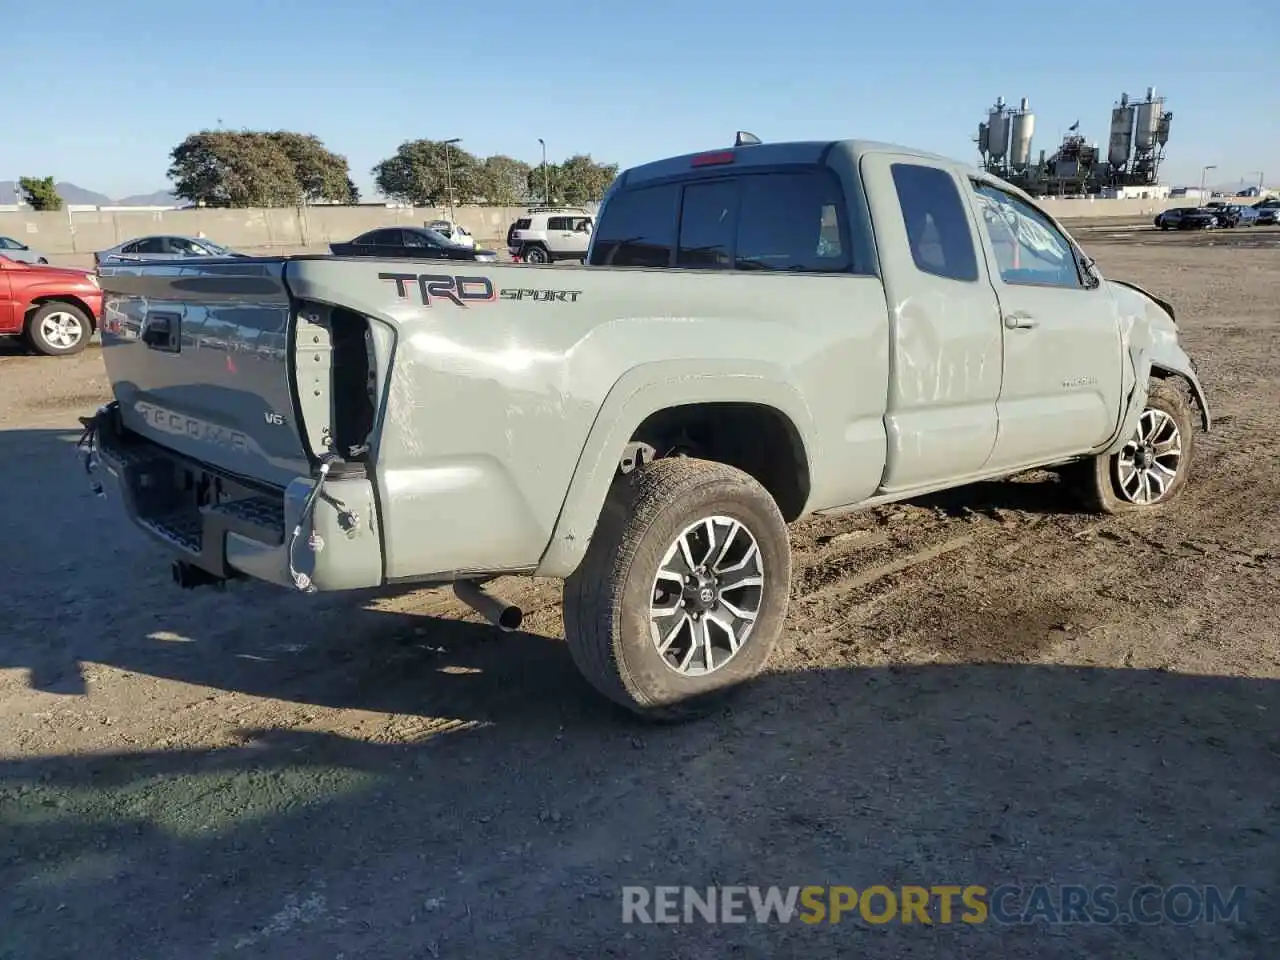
<point>59,330</point>
<point>1152,468</point>
<point>684,588</point>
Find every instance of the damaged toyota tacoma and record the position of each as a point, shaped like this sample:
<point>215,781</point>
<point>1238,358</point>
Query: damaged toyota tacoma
<point>760,333</point>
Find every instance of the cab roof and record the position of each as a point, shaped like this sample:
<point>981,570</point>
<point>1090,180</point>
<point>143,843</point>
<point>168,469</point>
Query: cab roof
<point>774,154</point>
<point>751,155</point>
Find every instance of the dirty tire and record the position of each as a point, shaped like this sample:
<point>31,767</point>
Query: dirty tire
<point>607,599</point>
<point>1097,480</point>
<point>59,329</point>
<point>536,255</point>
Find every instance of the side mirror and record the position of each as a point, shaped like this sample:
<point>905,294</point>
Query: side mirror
<point>1092,279</point>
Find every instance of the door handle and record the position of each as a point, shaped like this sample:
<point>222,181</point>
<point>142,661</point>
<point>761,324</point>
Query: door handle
<point>1019,320</point>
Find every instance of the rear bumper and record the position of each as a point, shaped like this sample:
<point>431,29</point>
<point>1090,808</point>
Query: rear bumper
<point>231,528</point>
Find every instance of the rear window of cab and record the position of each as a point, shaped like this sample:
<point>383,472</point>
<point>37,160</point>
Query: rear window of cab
<point>781,221</point>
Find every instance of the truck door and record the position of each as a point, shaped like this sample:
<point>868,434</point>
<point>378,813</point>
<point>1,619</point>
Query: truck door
<point>1062,374</point>
<point>945,337</point>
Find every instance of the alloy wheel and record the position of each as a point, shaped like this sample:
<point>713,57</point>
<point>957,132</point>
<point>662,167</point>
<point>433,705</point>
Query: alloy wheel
<point>707,595</point>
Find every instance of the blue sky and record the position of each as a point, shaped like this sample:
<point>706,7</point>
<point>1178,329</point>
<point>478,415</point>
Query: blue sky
<point>104,90</point>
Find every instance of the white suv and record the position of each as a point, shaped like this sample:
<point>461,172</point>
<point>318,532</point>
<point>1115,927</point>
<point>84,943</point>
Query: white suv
<point>548,234</point>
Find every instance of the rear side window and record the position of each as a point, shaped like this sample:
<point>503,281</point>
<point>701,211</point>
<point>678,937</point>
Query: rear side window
<point>638,228</point>
<point>558,223</point>
<point>791,222</point>
<point>937,226</point>
<point>524,223</point>
<point>707,218</point>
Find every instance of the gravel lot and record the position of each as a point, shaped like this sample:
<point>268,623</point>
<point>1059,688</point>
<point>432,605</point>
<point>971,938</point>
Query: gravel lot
<point>985,687</point>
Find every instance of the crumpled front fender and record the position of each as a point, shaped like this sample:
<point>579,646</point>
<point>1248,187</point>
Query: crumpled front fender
<point>1152,349</point>
<point>1161,358</point>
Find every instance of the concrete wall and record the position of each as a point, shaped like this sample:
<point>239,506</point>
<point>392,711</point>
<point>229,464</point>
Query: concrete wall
<point>86,231</point>
<point>83,232</point>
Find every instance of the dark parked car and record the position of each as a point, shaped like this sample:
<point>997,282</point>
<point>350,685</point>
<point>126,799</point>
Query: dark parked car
<point>1268,212</point>
<point>412,242</point>
<point>1187,218</point>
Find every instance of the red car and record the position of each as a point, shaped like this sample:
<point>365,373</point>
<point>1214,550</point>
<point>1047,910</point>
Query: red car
<point>55,309</point>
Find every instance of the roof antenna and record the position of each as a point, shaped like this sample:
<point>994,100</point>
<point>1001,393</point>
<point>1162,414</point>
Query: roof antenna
<point>745,139</point>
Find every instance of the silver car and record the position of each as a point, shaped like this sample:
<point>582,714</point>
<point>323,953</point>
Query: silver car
<point>163,247</point>
<point>16,250</point>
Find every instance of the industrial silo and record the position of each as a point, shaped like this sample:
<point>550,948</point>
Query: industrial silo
<point>1120,143</point>
<point>1023,127</point>
<point>998,130</point>
<point>1148,125</point>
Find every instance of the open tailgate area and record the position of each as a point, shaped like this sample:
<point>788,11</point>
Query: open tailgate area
<point>230,395</point>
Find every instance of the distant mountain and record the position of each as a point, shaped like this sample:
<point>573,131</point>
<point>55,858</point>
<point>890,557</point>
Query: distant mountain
<point>72,194</point>
<point>161,198</point>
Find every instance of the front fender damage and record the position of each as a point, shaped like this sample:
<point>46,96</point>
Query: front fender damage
<point>1197,389</point>
<point>1160,360</point>
<point>1150,335</point>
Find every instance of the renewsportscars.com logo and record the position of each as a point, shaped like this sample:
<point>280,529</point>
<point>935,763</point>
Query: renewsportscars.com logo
<point>1182,904</point>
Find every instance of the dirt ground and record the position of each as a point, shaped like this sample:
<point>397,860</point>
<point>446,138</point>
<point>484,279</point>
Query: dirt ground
<point>986,687</point>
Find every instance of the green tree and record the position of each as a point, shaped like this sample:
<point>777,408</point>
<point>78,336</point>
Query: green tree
<point>224,168</point>
<point>543,183</point>
<point>419,173</point>
<point>321,173</point>
<point>40,193</point>
<point>583,180</point>
<point>502,181</point>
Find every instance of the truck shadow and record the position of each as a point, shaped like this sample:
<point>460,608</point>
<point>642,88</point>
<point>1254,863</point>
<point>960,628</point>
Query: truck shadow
<point>88,588</point>
<point>512,835</point>
<point>1036,492</point>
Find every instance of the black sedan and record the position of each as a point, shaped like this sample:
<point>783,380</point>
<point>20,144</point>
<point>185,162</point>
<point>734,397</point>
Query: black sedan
<point>1188,218</point>
<point>418,243</point>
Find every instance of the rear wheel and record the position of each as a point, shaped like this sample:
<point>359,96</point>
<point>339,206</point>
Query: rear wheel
<point>684,589</point>
<point>1153,466</point>
<point>59,329</point>
<point>536,255</point>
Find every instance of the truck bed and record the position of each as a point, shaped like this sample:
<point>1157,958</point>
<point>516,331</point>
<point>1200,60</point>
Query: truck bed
<point>467,393</point>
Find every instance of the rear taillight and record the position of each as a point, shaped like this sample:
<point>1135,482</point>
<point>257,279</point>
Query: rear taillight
<point>337,380</point>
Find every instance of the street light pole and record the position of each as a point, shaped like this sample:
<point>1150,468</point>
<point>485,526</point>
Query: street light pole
<point>448,173</point>
<point>1250,173</point>
<point>546,180</point>
<point>1203,171</point>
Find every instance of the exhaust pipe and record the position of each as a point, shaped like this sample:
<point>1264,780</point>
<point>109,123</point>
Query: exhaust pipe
<point>505,616</point>
<point>188,576</point>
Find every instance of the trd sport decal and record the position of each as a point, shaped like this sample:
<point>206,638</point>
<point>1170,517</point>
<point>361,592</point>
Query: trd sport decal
<point>557,296</point>
<point>464,291</point>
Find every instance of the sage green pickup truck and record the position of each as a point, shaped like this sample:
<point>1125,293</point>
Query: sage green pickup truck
<point>760,333</point>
